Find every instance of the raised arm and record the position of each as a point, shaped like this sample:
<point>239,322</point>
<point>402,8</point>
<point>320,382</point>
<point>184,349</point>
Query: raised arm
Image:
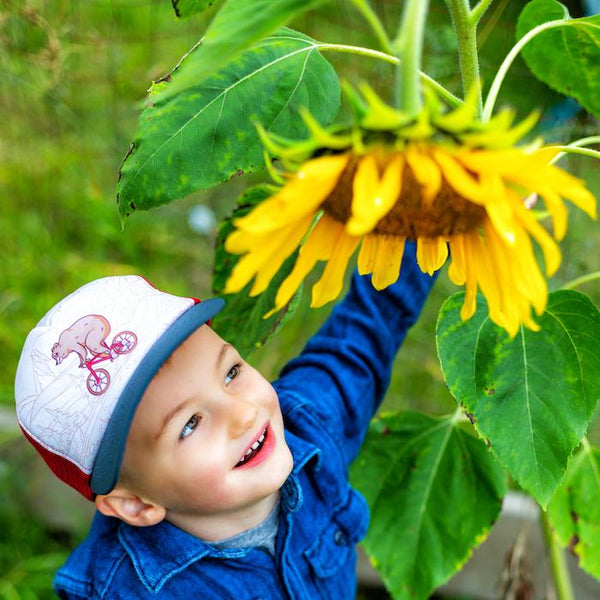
<point>344,370</point>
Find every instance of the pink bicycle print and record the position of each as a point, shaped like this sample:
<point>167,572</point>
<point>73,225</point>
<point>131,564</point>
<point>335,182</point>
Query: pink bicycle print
<point>99,379</point>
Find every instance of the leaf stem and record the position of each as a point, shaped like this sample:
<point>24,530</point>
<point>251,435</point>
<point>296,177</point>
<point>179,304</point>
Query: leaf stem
<point>575,147</point>
<point>558,562</point>
<point>576,150</point>
<point>370,16</point>
<point>478,10</point>
<point>448,96</point>
<point>492,96</point>
<point>581,280</point>
<point>465,27</point>
<point>409,45</point>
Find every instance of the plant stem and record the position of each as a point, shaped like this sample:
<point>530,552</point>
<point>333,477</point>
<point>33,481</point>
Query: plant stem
<point>478,10</point>
<point>586,141</point>
<point>450,98</point>
<point>409,44</point>
<point>558,562</point>
<point>373,20</point>
<point>581,280</point>
<point>465,27</point>
<point>576,150</point>
<point>510,57</point>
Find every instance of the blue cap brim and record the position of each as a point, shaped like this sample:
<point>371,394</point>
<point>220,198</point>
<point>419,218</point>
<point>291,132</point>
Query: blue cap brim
<point>107,465</point>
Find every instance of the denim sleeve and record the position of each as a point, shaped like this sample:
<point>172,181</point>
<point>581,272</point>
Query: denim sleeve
<point>344,370</point>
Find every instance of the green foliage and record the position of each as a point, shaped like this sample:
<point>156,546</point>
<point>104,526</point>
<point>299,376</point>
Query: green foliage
<point>29,552</point>
<point>238,25</point>
<point>186,8</point>
<point>574,511</point>
<point>242,318</point>
<point>565,58</point>
<point>531,397</point>
<point>434,493</point>
<point>206,134</point>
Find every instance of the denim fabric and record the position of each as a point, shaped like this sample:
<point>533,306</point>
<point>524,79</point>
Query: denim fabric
<point>328,395</point>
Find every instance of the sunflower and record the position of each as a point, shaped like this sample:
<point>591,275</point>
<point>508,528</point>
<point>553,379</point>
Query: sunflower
<point>454,185</point>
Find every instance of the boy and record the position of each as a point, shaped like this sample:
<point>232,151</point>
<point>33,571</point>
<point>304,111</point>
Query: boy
<point>209,482</point>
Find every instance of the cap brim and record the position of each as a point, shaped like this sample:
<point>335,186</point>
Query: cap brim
<point>107,465</point>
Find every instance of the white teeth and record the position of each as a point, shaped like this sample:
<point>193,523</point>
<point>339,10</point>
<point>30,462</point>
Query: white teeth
<point>253,447</point>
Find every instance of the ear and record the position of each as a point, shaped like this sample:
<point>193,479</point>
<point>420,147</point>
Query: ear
<point>130,507</point>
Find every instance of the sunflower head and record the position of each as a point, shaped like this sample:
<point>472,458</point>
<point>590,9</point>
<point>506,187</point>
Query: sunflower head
<point>454,185</point>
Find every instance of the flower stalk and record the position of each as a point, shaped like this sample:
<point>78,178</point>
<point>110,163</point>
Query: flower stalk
<point>465,26</point>
<point>409,46</point>
<point>558,562</point>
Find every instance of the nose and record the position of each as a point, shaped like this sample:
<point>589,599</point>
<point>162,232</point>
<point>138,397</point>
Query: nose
<point>242,415</point>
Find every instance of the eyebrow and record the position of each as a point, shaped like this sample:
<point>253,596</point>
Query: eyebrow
<point>171,415</point>
<point>222,354</point>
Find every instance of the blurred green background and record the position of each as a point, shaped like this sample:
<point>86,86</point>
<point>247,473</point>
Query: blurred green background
<point>73,76</point>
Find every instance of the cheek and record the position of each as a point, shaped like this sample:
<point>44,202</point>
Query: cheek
<point>197,479</point>
<point>267,393</point>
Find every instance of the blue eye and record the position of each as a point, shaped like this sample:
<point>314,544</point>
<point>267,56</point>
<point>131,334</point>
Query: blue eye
<point>233,373</point>
<point>189,427</point>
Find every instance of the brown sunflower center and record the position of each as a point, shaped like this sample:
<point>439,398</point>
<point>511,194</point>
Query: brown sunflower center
<point>411,216</point>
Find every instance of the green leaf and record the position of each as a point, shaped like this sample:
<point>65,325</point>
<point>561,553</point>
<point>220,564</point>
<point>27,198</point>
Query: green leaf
<point>207,134</point>
<point>434,492</point>
<point>238,25</point>
<point>566,58</point>
<point>186,8</point>
<point>531,397</point>
<point>242,318</point>
<point>574,511</point>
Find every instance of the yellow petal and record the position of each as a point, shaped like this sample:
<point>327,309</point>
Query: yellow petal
<point>300,197</point>
<point>573,189</point>
<point>457,271</point>
<point>265,258</point>
<point>331,282</point>
<point>431,254</point>
<point>426,172</point>
<point>385,264</point>
<point>542,178</point>
<point>499,207</point>
<point>238,242</point>
<point>458,178</point>
<point>498,162</point>
<point>552,255</point>
<point>485,272</point>
<point>373,198</point>
<point>557,209</point>
<point>367,257</point>
<point>520,282</point>
<point>470,303</point>
<point>283,244</point>
<point>316,247</point>
<point>517,267</point>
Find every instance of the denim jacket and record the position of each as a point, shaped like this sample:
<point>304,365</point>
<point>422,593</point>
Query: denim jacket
<point>328,395</point>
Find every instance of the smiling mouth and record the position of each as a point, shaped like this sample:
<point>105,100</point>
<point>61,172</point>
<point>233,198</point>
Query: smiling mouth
<point>254,450</point>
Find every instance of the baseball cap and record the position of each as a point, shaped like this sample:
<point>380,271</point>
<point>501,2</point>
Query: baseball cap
<point>85,367</point>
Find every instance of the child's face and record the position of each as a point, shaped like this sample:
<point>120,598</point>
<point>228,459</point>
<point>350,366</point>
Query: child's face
<point>188,448</point>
